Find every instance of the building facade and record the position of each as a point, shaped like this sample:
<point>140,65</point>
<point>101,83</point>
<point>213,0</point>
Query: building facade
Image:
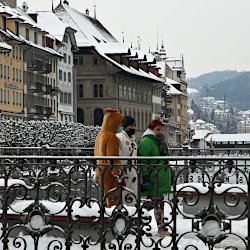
<point>11,67</point>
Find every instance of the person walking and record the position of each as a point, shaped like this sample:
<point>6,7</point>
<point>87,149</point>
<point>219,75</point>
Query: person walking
<point>128,147</point>
<point>107,144</point>
<point>156,174</point>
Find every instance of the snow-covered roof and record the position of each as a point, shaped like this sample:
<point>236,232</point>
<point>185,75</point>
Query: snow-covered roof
<point>38,46</point>
<point>113,48</point>
<point>175,63</point>
<point>172,90</point>
<point>200,134</point>
<point>229,137</point>
<point>58,29</point>
<point>5,46</point>
<point>171,81</point>
<point>199,121</point>
<point>127,69</point>
<point>27,20</point>
<point>89,30</point>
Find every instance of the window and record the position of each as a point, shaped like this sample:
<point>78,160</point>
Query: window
<point>69,60</point>
<point>1,95</point>
<point>8,72</point>
<point>20,99</point>
<point>80,60</point>
<point>17,101</point>
<point>4,71</point>
<point>20,75</point>
<point>65,58</point>
<point>95,61</point>
<point>69,98</point>
<point>27,34</point>
<point>65,38</point>
<point>1,70</point>
<point>17,75</point>
<point>20,54</point>
<point>43,41</point>
<point>120,90</point>
<point>17,28</point>
<point>13,74</point>
<point>4,23</point>
<point>64,76</point>
<point>76,60</point>
<point>98,117</point>
<point>98,90</point>
<point>13,98</point>
<point>60,75</point>
<point>35,37</point>
<point>80,115</point>
<point>80,90</point>
<point>8,96</point>
<point>17,52</point>
<point>61,97</point>
<point>4,96</point>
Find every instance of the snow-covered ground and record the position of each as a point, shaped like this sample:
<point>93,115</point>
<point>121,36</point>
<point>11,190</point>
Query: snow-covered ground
<point>52,133</point>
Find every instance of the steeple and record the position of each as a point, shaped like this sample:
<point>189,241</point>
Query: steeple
<point>94,10</point>
<point>162,52</point>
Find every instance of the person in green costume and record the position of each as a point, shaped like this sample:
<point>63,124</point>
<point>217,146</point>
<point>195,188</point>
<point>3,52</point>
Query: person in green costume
<point>156,174</point>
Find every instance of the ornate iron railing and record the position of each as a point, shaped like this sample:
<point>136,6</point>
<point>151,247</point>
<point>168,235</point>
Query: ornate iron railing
<point>89,151</point>
<point>53,202</point>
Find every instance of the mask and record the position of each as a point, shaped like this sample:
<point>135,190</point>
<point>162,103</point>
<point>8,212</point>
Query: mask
<point>119,129</point>
<point>130,132</point>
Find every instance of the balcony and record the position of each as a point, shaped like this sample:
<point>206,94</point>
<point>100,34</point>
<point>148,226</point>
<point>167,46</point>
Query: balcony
<point>48,111</point>
<point>60,200</point>
<point>36,87</point>
<point>35,65</point>
<point>36,110</point>
<point>46,68</point>
<point>48,89</point>
<point>55,91</point>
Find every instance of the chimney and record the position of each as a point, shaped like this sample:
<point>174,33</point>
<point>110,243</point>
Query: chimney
<point>11,3</point>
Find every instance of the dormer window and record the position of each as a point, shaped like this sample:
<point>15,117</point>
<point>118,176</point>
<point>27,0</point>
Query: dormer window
<point>4,23</point>
<point>17,28</point>
<point>35,37</point>
<point>27,34</point>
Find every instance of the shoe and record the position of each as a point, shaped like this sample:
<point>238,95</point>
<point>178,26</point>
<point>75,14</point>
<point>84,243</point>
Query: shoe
<point>163,233</point>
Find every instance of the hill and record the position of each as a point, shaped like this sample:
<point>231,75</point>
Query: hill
<point>213,78</point>
<point>236,91</point>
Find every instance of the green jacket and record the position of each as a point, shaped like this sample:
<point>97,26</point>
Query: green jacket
<point>150,146</point>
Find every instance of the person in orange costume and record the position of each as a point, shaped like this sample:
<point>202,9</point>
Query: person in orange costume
<point>107,144</point>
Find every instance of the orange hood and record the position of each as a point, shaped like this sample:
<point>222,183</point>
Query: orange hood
<point>112,120</point>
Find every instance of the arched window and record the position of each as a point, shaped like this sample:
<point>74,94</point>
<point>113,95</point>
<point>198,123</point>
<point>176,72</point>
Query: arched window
<point>80,115</point>
<point>98,117</point>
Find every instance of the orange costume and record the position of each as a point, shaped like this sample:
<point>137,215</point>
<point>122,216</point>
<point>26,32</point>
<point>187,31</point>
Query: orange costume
<point>107,144</point>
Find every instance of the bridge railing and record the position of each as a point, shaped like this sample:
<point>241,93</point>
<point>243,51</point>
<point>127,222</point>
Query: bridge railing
<point>89,151</point>
<point>53,202</point>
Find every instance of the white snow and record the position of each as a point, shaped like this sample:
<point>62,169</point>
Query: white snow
<point>5,46</point>
<point>229,137</point>
<point>46,19</point>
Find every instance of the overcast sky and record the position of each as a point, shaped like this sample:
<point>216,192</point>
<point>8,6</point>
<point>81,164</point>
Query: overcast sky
<point>211,34</point>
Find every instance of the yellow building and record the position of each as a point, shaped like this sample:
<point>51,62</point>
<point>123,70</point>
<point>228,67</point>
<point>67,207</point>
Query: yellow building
<point>11,68</point>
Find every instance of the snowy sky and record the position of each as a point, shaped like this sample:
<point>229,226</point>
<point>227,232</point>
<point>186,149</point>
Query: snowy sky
<point>211,34</point>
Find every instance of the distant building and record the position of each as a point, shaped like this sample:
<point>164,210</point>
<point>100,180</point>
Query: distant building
<point>11,66</point>
<point>229,140</point>
<point>40,66</point>
<point>109,74</point>
<point>66,45</point>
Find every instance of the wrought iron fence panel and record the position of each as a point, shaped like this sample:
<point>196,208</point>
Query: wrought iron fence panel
<point>54,202</point>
